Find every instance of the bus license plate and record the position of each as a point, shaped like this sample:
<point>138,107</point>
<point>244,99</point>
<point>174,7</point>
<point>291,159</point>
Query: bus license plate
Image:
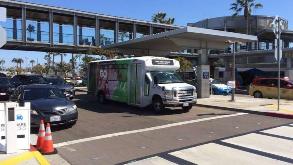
<point>185,104</point>
<point>55,118</point>
<point>2,94</point>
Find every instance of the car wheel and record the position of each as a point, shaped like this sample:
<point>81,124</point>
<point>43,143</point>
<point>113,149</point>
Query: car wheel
<point>257,94</point>
<point>158,106</point>
<point>187,109</point>
<point>101,98</point>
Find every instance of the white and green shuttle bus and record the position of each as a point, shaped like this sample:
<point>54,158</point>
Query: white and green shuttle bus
<point>142,82</point>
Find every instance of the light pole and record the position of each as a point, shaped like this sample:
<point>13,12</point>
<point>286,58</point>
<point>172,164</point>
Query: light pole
<point>278,26</point>
<point>233,82</point>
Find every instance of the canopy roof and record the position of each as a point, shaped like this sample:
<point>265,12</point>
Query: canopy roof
<point>179,39</point>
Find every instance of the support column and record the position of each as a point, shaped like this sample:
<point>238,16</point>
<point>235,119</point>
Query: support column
<point>97,32</point>
<point>51,17</point>
<point>23,23</point>
<point>289,69</point>
<point>14,35</point>
<point>134,31</point>
<point>116,32</point>
<point>80,40</point>
<point>75,30</point>
<point>60,33</point>
<point>151,30</point>
<point>203,73</point>
<point>73,66</point>
<point>39,31</point>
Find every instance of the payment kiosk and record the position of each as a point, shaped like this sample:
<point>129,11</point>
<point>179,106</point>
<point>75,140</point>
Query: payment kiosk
<point>14,126</point>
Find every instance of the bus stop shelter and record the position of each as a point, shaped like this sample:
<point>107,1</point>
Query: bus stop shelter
<point>189,37</point>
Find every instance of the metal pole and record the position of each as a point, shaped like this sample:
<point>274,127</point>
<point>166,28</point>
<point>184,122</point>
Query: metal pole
<point>279,62</point>
<point>233,74</point>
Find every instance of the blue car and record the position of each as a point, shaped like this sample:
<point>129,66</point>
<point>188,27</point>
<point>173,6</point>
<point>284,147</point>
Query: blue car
<point>219,88</point>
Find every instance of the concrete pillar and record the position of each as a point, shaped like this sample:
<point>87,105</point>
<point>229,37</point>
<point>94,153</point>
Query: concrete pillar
<point>60,33</point>
<point>134,31</point>
<point>97,32</point>
<point>14,35</point>
<point>80,40</point>
<point>203,73</point>
<point>23,23</point>
<point>75,30</point>
<point>39,31</point>
<point>289,69</point>
<point>51,18</point>
<point>116,32</point>
<point>151,30</point>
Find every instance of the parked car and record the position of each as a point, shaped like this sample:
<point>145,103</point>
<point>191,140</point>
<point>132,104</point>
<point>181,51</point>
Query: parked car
<point>5,89</point>
<point>268,88</point>
<point>219,88</point>
<point>66,88</point>
<point>48,103</point>
<point>3,75</point>
<point>18,80</point>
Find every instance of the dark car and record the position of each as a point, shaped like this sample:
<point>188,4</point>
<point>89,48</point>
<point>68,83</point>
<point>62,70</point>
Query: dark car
<point>48,103</point>
<point>18,80</point>
<point>60,83</point>
<point>2,75</point>
<point>5,89</point>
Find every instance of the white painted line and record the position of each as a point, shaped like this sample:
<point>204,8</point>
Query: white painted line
<point>143,130</point>
<point>217,154</point>
<point>152,161</point>
<point>264,143</point>
<point>281,131</point>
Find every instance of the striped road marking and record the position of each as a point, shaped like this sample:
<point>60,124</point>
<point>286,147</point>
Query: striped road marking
<point>144,130</point>
<point>270,147</point>
<point>25,157</point>
<point>153,161</point>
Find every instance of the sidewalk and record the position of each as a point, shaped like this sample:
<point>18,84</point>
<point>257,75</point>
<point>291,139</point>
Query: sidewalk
<point>249,104</point>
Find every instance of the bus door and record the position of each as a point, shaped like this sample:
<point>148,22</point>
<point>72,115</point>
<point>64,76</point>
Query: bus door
<point>135,88</point>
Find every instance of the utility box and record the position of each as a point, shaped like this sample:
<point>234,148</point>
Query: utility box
<point>14,126</point>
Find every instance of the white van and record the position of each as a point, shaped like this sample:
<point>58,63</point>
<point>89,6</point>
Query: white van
<point>142,82</point>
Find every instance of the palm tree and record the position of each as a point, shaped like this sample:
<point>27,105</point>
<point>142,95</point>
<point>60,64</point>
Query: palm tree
<point>2,62</point>
<point>32,62</point>
<point>247,6</point>
<point>17,61</point>
<point>160,17</point>
<point>31,29</point>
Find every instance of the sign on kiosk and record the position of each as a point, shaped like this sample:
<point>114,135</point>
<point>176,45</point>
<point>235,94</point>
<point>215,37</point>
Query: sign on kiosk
<point>14,127</point>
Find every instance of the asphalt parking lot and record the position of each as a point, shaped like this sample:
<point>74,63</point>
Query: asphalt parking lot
<point>115,133</point>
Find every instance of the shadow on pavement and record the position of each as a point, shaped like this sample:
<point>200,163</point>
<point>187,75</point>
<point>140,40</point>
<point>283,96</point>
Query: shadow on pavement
<point>86,102</point>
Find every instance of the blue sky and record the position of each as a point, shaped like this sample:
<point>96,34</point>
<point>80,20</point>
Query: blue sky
<point>184,11</point>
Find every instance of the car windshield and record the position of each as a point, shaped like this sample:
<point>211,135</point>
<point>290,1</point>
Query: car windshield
<point>33,80</point>
<point>42,93</point>
<point>4,81</point>
<point>216,82</point>
<point>56,81</point>
<point>166,77</point>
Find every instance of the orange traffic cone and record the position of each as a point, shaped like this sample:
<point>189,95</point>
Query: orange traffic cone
<point>41,135</point>
<point>47,147</point>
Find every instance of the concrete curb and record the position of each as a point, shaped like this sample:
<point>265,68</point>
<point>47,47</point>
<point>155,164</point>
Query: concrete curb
<point>271,114</point>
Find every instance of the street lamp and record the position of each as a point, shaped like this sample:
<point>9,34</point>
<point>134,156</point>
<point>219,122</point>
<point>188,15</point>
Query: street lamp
<point>278,27</point>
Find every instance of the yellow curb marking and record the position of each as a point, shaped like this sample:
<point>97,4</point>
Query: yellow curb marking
<point>25,156</point>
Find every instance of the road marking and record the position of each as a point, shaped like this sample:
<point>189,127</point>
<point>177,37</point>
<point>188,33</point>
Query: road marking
<point>143,130</point>
<point>218,154</point>
<point>152,161</point>
<point>281,131</point>
<point>24,157</point>
<point>268,144</point>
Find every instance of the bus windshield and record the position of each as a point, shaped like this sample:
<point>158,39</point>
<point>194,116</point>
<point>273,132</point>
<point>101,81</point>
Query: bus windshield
<point>166,77</point>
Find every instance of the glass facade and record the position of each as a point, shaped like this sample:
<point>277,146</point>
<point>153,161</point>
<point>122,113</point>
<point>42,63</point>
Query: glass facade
<point>13,29</point>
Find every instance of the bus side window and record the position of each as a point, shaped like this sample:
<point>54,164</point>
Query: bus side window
<point>147,85</point>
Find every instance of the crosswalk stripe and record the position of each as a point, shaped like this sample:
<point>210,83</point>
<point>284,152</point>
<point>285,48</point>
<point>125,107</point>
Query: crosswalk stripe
<point>152,161</point>
<point>218,154</point>
<point>281,131</point>
<point>264,143</point>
